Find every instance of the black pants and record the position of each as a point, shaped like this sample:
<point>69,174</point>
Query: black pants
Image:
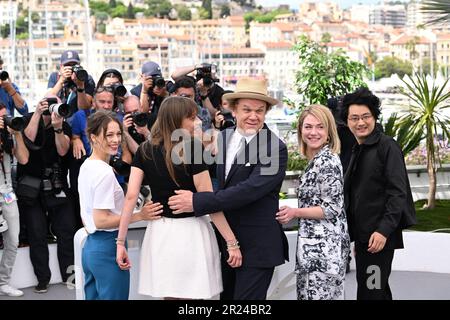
<point>62,221</point>
<point>372,273</point>
<point>245,283</point>
<point>74,171</point>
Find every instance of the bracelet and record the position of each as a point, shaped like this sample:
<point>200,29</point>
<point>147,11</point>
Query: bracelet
<point>80,89</point>
<point>232,247</point>
<point>11,95</point>
<point>120,241</point>
<point>232,243</point>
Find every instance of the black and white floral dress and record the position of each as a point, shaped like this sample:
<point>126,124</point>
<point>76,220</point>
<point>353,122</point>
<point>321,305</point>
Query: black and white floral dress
<point>323,245</point>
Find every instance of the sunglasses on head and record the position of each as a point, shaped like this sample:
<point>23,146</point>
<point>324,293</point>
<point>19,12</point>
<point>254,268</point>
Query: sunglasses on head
<point>103,89</point>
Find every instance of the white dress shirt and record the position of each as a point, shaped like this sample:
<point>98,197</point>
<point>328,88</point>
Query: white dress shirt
<point>233,147</point>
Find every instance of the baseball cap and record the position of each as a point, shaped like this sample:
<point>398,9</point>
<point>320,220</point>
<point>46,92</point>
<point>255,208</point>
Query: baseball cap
<point>151,68</point>
<point>70,56</point>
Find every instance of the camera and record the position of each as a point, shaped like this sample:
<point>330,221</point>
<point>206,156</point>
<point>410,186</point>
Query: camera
<point>4,75</point>
<point>206,72</point>
<point>140,119</point>
<point>158,81</point>
<point>81,74</point>
<point>228,119</point>
<point>143,194</point>
<point>119,89</point>
<point>17,123</point>
<point>121,167</point>
<point>61,109</point>
<point>53,179</point>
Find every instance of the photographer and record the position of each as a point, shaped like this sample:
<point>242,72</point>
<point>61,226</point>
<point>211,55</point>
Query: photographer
<point>113,78</point>
<point>10,94</point>
<point>185,87</point>
<point>8,201</point>
<point>224,118</point>
<point>136,124</point>
<point>152,89</point>
<point>72,84</point>
<point>43,192</point>
<point>210,93</point>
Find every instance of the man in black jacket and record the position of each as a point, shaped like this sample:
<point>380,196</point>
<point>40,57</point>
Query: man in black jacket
<point>378,198</point>
<point>251,166</point>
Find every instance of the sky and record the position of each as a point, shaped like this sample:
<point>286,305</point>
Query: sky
<point>295,3</point>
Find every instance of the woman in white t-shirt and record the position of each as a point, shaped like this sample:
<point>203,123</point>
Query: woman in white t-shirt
<point>101,202</point>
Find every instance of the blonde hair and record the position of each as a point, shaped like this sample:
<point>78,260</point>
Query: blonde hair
<point>324,115</point>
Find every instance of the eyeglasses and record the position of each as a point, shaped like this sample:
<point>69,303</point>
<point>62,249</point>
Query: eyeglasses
<point>363,117</point>
<point>102,89</point>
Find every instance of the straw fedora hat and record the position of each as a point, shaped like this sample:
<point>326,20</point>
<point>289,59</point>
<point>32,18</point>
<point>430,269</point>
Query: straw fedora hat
<point>248,88</point>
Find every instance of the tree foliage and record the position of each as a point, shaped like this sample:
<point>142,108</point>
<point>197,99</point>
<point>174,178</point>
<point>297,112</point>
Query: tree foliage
<point>4,30</point>
<point>225,11</point>
<point>439,9</point>
<point>207,5</point>
<point>184,13</point>
<point>426,117</point>
<point>392,65</point>
<point>322,75</point>
<point>130,11</point>
<point>158,8</point>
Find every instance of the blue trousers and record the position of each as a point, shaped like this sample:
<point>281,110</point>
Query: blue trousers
<point>104,280</point>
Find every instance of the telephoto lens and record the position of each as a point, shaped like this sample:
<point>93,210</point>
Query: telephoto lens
<point>61,109</point>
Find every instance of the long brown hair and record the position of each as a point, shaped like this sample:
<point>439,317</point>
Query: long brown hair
<point>171,114</point>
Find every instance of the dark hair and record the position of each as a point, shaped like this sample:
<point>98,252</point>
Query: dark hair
<point>98,122</point>
<point>184,82</point>
<point>361,96</point>
<point>109,73</point>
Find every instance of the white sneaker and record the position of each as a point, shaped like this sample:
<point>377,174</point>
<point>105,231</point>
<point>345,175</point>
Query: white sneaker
<point>10,291</point>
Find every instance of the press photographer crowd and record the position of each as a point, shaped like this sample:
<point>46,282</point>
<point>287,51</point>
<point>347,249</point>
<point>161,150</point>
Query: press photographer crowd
<point>40,149</point>
<point>100,156</point>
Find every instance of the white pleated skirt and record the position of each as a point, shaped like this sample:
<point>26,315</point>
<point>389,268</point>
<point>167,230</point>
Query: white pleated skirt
<point>180,259</point>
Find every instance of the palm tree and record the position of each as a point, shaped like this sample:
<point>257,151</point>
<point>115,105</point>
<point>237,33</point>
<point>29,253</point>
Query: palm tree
<point>440,9</point>
<point>425,117</point>
<point>400,131</point>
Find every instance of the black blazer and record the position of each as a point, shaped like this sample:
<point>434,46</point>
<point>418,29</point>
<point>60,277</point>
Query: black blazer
<point>249,198</point>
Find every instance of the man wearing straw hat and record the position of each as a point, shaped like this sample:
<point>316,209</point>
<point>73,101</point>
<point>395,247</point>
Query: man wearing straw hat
<point>251,166</point>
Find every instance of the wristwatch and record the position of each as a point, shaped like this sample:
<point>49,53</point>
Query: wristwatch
<point>203,97</point>
<point>80,89</point>
<point>60,130</point>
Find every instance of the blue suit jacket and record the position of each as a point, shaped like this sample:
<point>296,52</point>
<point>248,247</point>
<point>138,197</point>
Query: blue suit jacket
<point>249,198</point>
